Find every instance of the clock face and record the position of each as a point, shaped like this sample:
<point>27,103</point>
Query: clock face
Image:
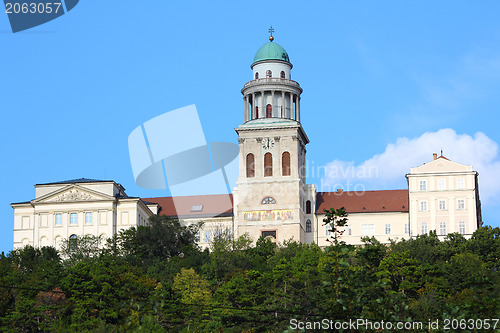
<point>267,143</point>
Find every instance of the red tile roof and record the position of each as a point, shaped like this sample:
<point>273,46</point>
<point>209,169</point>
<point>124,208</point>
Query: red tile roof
<point>221,205</point>
<point>213,205</point>
<point>364,202</point>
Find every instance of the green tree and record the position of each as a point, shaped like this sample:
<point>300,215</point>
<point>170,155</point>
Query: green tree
<point>164,238</point>
<point>81,248</point>
<point>227,255</point>
<point>338,266</point>
<point>102,292</point>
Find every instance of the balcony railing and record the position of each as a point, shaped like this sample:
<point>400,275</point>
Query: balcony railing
<point>271,80</point>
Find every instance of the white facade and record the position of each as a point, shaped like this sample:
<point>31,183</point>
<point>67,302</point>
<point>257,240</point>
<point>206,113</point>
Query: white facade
<point>444,196</point>
<point>78,207</point>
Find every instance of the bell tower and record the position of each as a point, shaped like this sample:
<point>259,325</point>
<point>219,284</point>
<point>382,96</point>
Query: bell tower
<point>271,197</point>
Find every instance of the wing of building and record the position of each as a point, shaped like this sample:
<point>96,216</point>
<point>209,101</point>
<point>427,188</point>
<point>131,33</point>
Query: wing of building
<point>74,208</point>
<point>271,198</point>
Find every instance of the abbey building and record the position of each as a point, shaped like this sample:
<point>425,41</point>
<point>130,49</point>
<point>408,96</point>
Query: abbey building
<point>271,198</point>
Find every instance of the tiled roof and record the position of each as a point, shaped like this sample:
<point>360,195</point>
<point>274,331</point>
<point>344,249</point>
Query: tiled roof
<point>221,205</point>
<point>364,202</point>
<point>212,205</point>
<point>76,181</point>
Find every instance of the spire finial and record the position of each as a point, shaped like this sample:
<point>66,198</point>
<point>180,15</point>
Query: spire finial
<point>271,30</point>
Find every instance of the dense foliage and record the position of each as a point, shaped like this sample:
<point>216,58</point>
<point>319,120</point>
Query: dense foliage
<point>156,279</point>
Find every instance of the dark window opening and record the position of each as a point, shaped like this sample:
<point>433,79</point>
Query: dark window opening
<point>250,166</point>
<point>268,165</point>
<point>285,164</point>
<point>73,243</point>
<point>269,111</point>
<point>269,234</point>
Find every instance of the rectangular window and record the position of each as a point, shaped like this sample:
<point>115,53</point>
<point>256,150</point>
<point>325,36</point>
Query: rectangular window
<point>387,229</point>
<point>349,230</point>
<point>423,185</point>
<point>442,204</point>
<point>460,183</point>
<point>442,184</point>
<point>88,218</point>
<point>197,237</point>
<point>368,229</point>
<point>407,228</point>
<point>208,236</point>
<point>423,205</point>
<point>461,227</point>
<point>442,228</point>
<point>58,219</point>
<point>328,230</point>
<point>73,218</point>
<point>461,204</point>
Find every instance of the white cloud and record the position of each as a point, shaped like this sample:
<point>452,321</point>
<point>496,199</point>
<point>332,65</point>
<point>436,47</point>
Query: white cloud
<point>387,170</point>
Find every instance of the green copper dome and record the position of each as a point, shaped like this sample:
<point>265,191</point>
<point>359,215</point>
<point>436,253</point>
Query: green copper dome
<point>271,51</point>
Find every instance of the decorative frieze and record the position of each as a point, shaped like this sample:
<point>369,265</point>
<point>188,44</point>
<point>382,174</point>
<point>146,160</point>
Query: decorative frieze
<point>74,195</point>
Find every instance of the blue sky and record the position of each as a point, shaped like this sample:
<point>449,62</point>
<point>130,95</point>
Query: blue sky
<point>379,79</point>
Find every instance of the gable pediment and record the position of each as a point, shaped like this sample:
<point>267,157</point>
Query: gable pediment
<point>73,193</point>
<point>442,165</point>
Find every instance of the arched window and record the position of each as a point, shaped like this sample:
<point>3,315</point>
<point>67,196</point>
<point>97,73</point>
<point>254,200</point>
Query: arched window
<point>424,228</point>
<point>269,73</point>
<point>268,165</point>
<point>256,112</point>
<point>73,243</point>
<point>461,228</point>
<point>285,164</point>
<point>282,74</point>
<point>308,207</point>
<point>442,228</point>
<point>256,75</point>
<point>268,200</point>
<point>308,226</point>
<point>250,166</point>
<point>269,111</point>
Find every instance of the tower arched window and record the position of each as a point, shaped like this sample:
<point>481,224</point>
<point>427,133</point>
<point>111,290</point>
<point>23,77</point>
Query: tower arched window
<point>250,166</point>
<point>269,73</point>
<point>256,112</point>
<point>308,226</point>
<point>282,74</point>
<point>308,207</point>
<point>285,164</point>
<point>269,111</point>
<point>73,243</point>
<point>268,165</point>
<point>256,75</point>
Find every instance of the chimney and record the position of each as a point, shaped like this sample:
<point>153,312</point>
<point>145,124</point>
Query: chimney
<point>435,156</point>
